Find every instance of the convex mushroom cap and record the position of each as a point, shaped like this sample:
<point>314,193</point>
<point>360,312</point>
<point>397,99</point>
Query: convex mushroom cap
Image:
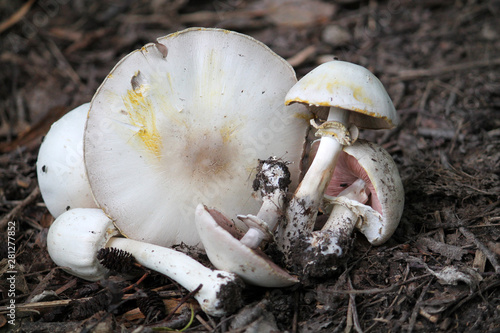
<point>184,121</point>
<point>77,235</point>
<point>350,87</point>
<point>60,167</point>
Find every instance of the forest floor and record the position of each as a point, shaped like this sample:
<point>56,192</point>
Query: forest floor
<point>440,63</point>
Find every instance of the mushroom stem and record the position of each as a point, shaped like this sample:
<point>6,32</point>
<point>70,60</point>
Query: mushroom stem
<point>77,235</point>
<point>340,216</point>
<point>272,179</point>
<point>271,208</point>
<point>186,271</point>
<point>265,220</point>
<point>324,248</point>
<point>303,208</point>
<point>337,231</point>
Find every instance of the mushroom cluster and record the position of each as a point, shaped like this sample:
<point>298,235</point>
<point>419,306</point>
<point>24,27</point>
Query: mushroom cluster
<point>178,146</point>
<point>356,99</point>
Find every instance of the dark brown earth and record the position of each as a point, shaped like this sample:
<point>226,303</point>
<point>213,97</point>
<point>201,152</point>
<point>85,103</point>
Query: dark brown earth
<point>440,62</point>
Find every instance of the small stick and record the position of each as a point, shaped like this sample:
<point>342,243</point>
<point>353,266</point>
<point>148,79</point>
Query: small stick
<point>68,285</point>
<point>17,16</point>
<point>68,69</point>
<point>204,323</point>
<point>354,311</point>
<point>413,318</point>
<point>302,56</point>
<point>42,285</point>
<point>490,255</point>
<point>136,284</point>
<point>378,290</point>
<point>295,312</point>
<point>184,300</point>
<point>16,210</point>
<point>411,74</point>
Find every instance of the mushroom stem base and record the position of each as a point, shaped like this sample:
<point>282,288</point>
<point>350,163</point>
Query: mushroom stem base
<point>320,253</point>
<point>330,245</point>
<point>220,292</point>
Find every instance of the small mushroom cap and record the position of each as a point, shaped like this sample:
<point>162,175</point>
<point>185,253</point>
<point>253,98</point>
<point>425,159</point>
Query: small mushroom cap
<point>185,121</point>
<point>385,207</point>
<point>228,254</point>
<point>252,221</point>
<point>74,239</point>
<point>347,86</point>
<point>60,167</point>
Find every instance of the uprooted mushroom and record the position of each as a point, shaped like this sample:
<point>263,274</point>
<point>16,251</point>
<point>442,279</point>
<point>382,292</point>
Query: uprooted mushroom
<point>77,235</point>
<point>366,193</point>
<point>355,98</point>
<point>168,130</point>
<point>233,250</point>
<point>184,121</point>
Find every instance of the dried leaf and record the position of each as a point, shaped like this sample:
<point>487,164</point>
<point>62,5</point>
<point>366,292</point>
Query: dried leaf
<point>449,251</point>
<point>452,275</point>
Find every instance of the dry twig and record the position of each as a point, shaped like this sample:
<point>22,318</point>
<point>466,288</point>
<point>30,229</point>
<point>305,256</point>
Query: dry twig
<point>17,16</point>
<point>416,308</point>
<point>412,74</point>
<point>16,210</point>
<point>490,255</point>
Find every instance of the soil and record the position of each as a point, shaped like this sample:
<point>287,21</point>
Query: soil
<point>440,63</point>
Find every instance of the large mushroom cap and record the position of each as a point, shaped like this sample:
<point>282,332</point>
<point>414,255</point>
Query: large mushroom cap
<point>185,121</point>
<point>347,86</point>
<point>60,168</point>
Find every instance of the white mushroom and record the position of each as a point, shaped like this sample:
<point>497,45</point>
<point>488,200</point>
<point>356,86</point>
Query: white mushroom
<point>226,252</point>
<point>77,235</point>
<point>365,193</point>
<point>60,169</point>
<point>356,98</point>
<point>184,121</point>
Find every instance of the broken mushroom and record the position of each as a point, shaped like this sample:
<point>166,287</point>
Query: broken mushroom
<point>229,249</point>
<point>184,121</point>
<point>77,235</point>
<point>271,181</point>
<point>355,98</point>
<point>60,169</point>
<point>225,251</point>
<point>365,193</point>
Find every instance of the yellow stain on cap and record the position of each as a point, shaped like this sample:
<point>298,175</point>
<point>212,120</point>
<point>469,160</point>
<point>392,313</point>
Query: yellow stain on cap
<point>141,114</point>
<point>227,132</point>
<point>358,92</point>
